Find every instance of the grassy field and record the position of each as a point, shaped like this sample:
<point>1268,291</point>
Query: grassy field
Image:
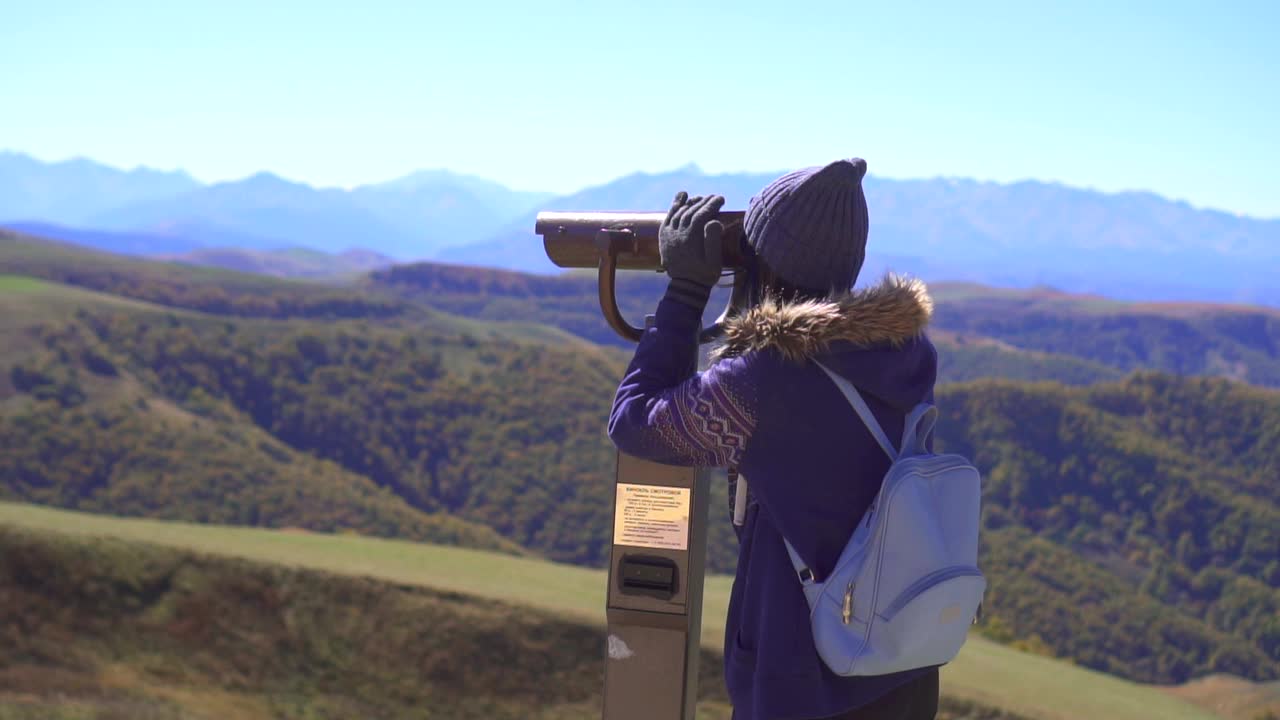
<point>992,674</point>
<point>40,299</point>
<point>18,283</point>
<point>25,301</point>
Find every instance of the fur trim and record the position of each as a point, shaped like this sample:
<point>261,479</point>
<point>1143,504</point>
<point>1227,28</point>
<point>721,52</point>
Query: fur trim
<point>892,312</point>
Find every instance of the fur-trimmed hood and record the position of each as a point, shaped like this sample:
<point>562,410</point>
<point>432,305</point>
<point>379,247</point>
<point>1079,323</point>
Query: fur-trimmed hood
<point>892,312</point>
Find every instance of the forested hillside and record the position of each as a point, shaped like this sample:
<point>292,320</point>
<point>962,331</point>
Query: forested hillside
<point>1017,334</point>
<point>1157,493</point>
<point>487,430</point>
<point>1147,503</point>
<point>1020,335</point>
<point>1240,342</point>
<point>80,428</point>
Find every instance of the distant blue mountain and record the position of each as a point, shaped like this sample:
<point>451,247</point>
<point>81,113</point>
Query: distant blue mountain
<point>515,247</point>
<point>267,206</point>
<point>410,217</point>
<point>73,191</point>
<point>448,186</point>
<point>1136,246</point>
<point>457,209</point>
<point>1127,245</point>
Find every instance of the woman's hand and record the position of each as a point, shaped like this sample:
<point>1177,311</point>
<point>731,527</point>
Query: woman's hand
<point>689,243</point>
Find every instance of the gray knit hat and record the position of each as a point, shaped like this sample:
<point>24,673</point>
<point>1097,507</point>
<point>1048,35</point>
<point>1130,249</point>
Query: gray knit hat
<point>810,226</point>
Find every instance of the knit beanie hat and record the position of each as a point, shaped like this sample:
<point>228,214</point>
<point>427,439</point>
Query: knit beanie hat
<point>810,226</point>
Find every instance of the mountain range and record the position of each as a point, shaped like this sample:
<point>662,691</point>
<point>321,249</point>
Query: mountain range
<point>165,213</point>
<point>1132,245</point>
<point>1135,246</point>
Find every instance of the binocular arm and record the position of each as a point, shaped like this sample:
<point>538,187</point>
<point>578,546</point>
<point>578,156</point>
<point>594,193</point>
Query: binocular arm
<point>630,241</point>
<point>611,243</point>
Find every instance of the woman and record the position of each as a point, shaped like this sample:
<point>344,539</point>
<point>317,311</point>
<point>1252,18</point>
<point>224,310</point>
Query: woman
<point>763,409</point>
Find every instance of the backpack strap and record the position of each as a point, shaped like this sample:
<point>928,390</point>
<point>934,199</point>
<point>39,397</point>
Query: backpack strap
<point>802,568</point>
<point>918,429</point>
<point>860,406</point>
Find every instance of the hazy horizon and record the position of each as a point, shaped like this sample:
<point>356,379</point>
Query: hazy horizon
<point>303,181</point>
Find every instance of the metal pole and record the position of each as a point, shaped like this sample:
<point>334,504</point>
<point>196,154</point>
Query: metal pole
<point>654,599</point>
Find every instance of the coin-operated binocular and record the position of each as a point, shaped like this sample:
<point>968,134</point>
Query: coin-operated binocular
<point>656,563</point>
<point>613,241</point>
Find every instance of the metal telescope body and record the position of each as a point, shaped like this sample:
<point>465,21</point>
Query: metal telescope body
<point>656,563</point>
<point>612,241</point>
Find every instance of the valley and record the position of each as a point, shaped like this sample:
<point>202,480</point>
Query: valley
<point>1131,516</point>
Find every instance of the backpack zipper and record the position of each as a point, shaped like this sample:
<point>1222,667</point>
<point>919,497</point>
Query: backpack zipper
<point>846,610</point>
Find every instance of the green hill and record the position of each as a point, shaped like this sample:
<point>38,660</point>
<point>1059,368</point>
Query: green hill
<point>184,286</point>
<point>983,332</point>
<point>570,302</point>
<point>125,407</point>
<point>225,622</point>
<point>82,430</point>
<point>99,628</point>
<point>1147,504</point>
<point>444,423</point>
<point>1238,342</point>
<point>294,262</point>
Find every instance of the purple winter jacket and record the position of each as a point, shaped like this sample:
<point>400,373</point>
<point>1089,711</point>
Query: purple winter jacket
<point>812,467</point>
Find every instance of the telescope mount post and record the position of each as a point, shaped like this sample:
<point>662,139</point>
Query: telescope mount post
<point>654,598</point>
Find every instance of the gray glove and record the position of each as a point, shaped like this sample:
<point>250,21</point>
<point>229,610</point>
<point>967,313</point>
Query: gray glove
<point>689,243</point>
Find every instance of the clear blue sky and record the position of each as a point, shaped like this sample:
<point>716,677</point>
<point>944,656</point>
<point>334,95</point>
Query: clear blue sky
<point>1176,97</point>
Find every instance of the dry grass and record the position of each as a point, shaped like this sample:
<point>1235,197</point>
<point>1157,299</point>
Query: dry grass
<point>986,673</point>
<point>1232,697</point>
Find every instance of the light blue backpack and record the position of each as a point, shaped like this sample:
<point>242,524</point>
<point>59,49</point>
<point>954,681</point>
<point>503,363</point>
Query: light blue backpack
<point>907,586</point>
